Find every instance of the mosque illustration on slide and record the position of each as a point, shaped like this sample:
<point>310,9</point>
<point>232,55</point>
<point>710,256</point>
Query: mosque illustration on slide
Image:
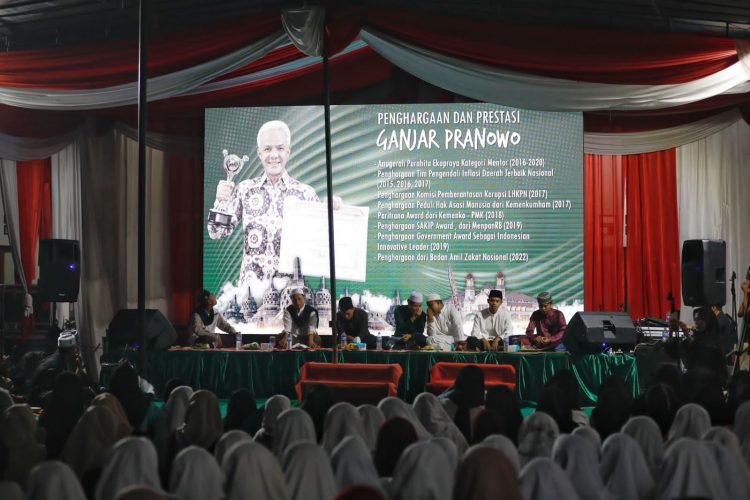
<point>469,302</point>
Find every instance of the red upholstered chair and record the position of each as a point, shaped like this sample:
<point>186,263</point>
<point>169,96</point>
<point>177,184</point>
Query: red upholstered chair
<point>443,375</point>
<point>352,382</point>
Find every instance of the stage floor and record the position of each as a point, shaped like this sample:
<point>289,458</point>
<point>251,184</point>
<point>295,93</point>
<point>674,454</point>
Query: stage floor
<point>276,372</point>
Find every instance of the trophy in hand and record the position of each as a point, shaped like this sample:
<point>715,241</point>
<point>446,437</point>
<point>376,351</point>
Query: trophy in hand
<point>220,215</point>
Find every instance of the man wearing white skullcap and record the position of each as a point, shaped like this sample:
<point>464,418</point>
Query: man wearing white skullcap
<point>300,322</point>
<point>410,323</point>
<point>444,323</point>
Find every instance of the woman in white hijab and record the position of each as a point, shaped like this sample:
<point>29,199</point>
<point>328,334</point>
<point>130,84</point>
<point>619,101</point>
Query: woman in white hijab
<point>196,475</point>
<point>110,401</point>
<point>690,471</point>
<point>352,464</point>
<point>309,472</point>
<point>647,434</point>
<point>203,424</point>
<point>742,429</point>
<point>577,458</point>
<point>691,421</point>
<point>449,447</point>
<point>227,440</point>
<point>394,407</point>
<point>293,425</point>
<point>423,472</point>
<point>9,490</point>
<point>341,420</point>
<point>536,437</point>
<point>734,473</point>
<point>275,405</point>
<point>91,440</point>
<point>623,468</point>
<point>506,446</point>
<point>6,401</point>
<point>485,473</point>
<point>18,433</point>
<point>592,436</point>
<point>54,481</point>
<point>543,479</point>
<point>177,406</point>
<point>133,460</point>
<point>251,471</point>
<point>372,419</point>
<point>432,415</point>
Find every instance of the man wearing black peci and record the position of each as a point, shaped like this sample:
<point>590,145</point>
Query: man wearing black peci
<point>352,322</point>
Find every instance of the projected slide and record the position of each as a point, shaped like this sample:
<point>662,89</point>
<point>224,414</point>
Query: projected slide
<point>454,199</point>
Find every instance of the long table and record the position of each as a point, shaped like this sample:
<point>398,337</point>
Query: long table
<point>276,372</point>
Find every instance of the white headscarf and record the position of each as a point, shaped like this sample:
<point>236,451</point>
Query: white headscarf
<point>394,407</point>
<point>110,401</point>
<point>372,419</point>
<point>505,445</point>
<point>341,420</point>
<point>436,420</point>
<point>5,400</point>
<point>251,471</point>
<point>352,464</point>
<point>309,472</point>
<point>275,406</point>
<point>423,472</point>
<point>449,447</point>
<point>542,479</point>
<point>54,481</point>
<point>293,425</point>
<point>91,440</point>
<point>196,475</point>
<point>591,435</point>
<point>623,468</point>
<point>18,432</point>
<point>203,424</point>
<point>734,473</point>
<point>227,440</point>
<point>742,429</point>
<point>177,405</point>
<point>9,490</point>
<point>689,470</point>
<point>647,434</point>
<point>577,458</point>
<point>537,436</point>
<point>133,460</point>
<point>691,421</point>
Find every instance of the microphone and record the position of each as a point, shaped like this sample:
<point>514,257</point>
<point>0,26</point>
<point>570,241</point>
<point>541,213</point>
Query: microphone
<point>734,276</point>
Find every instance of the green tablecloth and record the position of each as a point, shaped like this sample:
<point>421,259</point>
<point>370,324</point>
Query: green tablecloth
<point>268,373</point>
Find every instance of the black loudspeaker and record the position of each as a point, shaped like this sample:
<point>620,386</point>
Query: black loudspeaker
<point>123,330</point>
<point>592,332</point>
<point>704,275</point>
<point>59,271</point>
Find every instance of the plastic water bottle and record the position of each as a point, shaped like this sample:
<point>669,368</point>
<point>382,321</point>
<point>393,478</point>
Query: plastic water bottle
<point>238,341</point>
<point>343,340</point>
<point>272,342</point>
<point>379,343</point>
<point>506,343</point>
<point>665,332</point>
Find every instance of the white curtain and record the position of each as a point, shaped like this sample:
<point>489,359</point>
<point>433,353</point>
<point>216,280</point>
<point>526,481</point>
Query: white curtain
<point>658,140</point>
<point>523,90</point>
<point>714,196</point>
<point>32,148</point>
<point>305,27</point>
<point>159,87</point>
<point>109,200</point>
<point>9,191</point>
<point>65,179</point>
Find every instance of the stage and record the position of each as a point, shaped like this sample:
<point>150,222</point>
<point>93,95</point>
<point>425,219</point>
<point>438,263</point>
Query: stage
<point>276,372</point>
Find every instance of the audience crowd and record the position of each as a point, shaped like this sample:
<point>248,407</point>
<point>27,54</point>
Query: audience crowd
<point>686,436</point>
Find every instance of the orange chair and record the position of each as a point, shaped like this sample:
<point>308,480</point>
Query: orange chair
<point>352,382</point>
<point>443,375</point>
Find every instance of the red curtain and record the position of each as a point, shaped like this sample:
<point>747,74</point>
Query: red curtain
<point>35,218</point>
<point>653,245</point>
<point>185,234</point>
<point>604,226</point>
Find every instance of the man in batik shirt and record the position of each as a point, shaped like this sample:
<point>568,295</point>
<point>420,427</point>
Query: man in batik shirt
<point>259,204</point>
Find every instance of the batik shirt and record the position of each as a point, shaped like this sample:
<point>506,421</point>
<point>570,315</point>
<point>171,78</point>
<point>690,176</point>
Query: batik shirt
<point>260,206</point>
